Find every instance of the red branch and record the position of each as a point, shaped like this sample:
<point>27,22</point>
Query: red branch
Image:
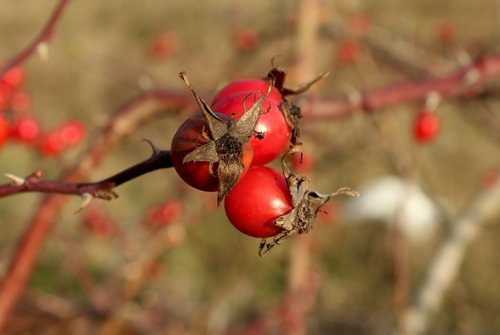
<point>464,82</point>
<point>122,123</point>
<point>45,35</point>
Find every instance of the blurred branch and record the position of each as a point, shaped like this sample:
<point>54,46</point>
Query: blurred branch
<point>44,36</point>
<point>468,82</point>
<point>122,123</point>
<point>446,263</point>
<point>294,311</point>
<point>392,49</point>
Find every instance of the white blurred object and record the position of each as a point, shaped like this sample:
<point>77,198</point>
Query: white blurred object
<point>391,199</point>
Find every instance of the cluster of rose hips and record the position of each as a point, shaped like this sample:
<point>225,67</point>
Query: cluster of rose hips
<point>225,148</point>
<point>18,125</point>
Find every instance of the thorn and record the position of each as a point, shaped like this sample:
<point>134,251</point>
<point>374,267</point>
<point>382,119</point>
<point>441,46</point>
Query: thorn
<point>18,181</point>
<point>43,51</point>
<point>153,146</point>
<point>87,198</point>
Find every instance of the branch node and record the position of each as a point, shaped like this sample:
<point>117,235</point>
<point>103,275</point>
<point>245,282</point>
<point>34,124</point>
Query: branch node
<point>18,181</point>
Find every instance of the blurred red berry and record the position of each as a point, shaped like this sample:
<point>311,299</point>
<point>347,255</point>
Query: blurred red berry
<point>445,32</point>
<point>4,99</point>
<point>246,39</point>
<point>72,132</point>
<point>163,214</point>
<point>347,52</point>
<point>98,222</point>
<point>163,45</point>
<point>25,129</point>
<point>52,144</point>
<point>4,131</point>
<point>20,101</point>
<point>426,126</point>
<point>13,78</point>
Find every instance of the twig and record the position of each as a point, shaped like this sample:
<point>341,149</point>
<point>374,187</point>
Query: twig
<point>44,36</point>
<point>463,82</point>
<point>122,123</point>
<point>446,263</point>
<point>103,189</point>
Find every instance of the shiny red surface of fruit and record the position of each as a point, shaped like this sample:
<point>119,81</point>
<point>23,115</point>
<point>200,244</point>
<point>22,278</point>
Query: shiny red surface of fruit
<point>259,198</point>
<point>272,124</point>
<point>190,135</point>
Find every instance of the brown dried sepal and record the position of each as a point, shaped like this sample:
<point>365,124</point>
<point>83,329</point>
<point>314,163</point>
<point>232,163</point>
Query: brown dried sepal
<point>291,111</point>
<point>225,140</point>
<point>306,205</point>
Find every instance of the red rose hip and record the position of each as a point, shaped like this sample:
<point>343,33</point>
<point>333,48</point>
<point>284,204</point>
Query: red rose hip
<point>259,198</point>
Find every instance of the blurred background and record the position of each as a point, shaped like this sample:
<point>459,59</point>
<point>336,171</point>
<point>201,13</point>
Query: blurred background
<point>163,259</point>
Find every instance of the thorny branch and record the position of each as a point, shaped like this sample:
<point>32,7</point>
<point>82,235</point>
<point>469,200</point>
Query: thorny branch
<point>45,35</point>
<point>465,82</point>
<point>122,123</point>
<point>103,189</point>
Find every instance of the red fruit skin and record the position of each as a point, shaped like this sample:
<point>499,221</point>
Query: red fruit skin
<point>20,101</point>
<point>72,132</point>
<point>25,129</point>
<point>259,198</point>
<point>13,78</point>
<point>4,131</point>
<point>247,86</point>
<point>271,123</point>
<point>426,126</point>
<point>52,144</point>
<point>190,135</point>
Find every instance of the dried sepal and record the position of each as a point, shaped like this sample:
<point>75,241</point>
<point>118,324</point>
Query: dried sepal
<point>306,205</point>
<point>304,87</point>
<point>292,115</point>
<point>291,112</point>
<point>216,125</point>
<point>225,140</point>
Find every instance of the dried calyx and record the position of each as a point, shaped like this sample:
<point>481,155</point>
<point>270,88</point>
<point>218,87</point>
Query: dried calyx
<point>291,111</point>
<point>225,140</point>
<point>306,205</point>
